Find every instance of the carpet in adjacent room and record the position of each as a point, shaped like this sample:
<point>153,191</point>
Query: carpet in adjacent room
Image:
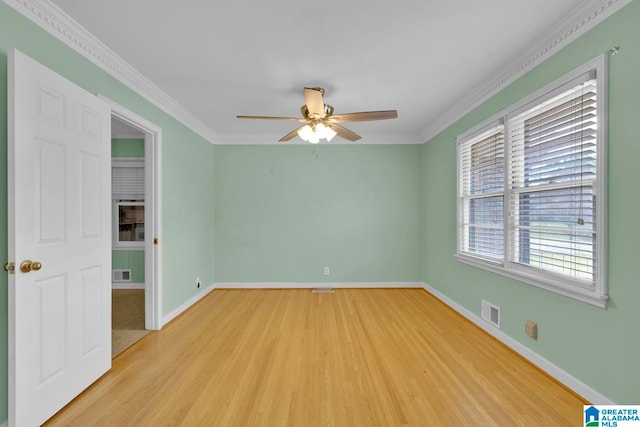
<point>127,326</point>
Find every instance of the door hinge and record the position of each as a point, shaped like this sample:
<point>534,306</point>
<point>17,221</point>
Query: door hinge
<point>10,267</point>
<point>155,241</point>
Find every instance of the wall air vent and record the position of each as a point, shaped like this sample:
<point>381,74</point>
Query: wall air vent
<point>121,276</point>
<point>491,313</point>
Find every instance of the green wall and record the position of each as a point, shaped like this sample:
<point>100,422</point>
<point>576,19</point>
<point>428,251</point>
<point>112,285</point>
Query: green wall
<point>600,347</point>
<point>130,259</point>
<point>4,361</point>
<point>187,160</point>
<point>127,147</point>
<point>282,214</point>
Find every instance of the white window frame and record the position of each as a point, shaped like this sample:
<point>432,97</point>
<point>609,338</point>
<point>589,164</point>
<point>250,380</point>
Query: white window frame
<point>475,136</point>
<point>126,200</point>
<point>594,293</point>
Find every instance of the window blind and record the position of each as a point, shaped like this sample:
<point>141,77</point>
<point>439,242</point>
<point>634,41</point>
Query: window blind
<point>127,182</point>
<point>552,179</point>
<point>481,189</point>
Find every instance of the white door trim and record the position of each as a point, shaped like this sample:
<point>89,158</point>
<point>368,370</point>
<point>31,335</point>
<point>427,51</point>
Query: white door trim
<point>153,216</point>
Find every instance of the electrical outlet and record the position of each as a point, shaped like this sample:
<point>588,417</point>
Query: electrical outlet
<point>198,282</point>
<point>327,271</point>
<point>531,329</point>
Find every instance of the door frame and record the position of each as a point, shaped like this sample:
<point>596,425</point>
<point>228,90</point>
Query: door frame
<point>152,212</point>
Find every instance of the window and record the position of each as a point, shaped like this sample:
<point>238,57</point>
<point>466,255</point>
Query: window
<point>482,195</point>
<point>127,188</point>
<point>130,222</point>
<point>531,190</point>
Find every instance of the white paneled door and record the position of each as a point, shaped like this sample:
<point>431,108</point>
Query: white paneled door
<point>59,238</point>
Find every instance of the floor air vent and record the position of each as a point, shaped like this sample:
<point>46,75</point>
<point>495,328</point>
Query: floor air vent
<point>491,313</point>
<point>322,291</point>
<point>121,276</point>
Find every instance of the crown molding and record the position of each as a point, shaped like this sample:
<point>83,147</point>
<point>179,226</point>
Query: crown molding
<point>56,22</point>
<point>581,20</point>
<point>272,139</point>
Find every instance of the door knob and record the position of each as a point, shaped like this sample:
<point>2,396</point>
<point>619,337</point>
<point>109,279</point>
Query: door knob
<point>10,267</point>
<point>28,265</point>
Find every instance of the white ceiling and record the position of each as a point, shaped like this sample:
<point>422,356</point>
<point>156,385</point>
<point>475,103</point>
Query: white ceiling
<point>254,57</point>
<point>120,129</point>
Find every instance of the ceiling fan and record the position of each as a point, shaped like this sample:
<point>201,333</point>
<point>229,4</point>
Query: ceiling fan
<point>320,122</point>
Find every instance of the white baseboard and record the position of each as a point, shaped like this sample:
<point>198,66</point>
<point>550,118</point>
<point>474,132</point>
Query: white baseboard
<point>310,285</point>
<point>562,376</point>
<point>126,285</point>
<point>175,313</point>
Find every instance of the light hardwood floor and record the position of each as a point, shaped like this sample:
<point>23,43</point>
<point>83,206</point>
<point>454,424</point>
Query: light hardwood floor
<point>361,357</point>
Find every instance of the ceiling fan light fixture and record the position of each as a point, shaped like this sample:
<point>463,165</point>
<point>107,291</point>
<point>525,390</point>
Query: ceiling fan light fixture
<point>324,132</point>
<point>306,132</point>
<point>330,134</point>
<point>315,133</point>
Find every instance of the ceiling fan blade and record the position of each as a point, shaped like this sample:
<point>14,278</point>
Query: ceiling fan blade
<point>314,101</point>
<point>343,132</point>
<point>290,119</point>
<point>363,116</point>
<point>292,134</point>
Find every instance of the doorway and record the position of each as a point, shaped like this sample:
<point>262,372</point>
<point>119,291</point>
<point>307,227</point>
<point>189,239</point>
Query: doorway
<point>146,239</point>
<point>127,237</point>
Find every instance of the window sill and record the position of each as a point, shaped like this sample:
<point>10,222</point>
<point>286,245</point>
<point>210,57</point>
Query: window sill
<point>129,248</point>
<point>572,291</point>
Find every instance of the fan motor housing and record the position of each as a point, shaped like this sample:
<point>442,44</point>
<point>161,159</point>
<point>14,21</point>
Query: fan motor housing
<point>328,110</point>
